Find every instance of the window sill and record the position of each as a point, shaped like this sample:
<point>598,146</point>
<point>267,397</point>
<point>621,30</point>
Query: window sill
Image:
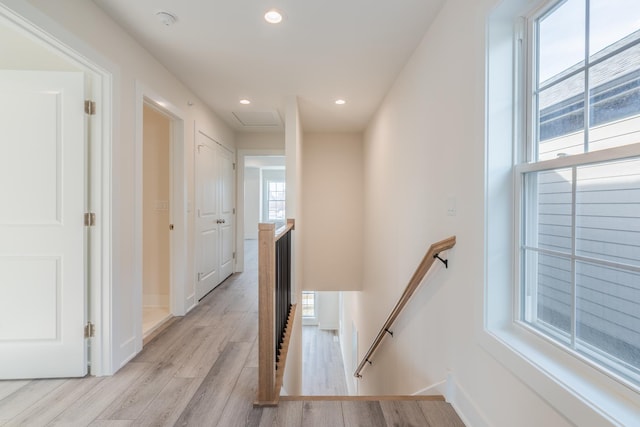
<point>584,395</point>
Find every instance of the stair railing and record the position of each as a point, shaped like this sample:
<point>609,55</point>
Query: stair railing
<point>275,311</point>
<point>432,254</point>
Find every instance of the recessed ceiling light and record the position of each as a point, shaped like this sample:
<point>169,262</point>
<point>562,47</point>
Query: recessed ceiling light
<point>245,102</point>
<point>273,17</point>
<point>340,102</point>
<point>168,19</point>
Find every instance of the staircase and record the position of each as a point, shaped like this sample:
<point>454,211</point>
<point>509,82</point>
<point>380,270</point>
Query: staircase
<point>276,314</point>
<point>325,389</point>
<point>370,411</point>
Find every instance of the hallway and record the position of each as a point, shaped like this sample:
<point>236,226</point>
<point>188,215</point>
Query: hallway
<point>200,371</point>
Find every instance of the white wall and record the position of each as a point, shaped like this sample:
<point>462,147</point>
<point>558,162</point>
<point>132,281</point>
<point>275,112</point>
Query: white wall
<point>294,144</point>
<point>251,202</point>
<point>260,141</point>
<point>333,209</point>
<point>348,311</point>
<point>327,310</point>
<point>19,52</point>
<point>100,39</point>
<point>425,146</point>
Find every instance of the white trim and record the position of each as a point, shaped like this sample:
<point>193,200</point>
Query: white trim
<point>610,154</point>
<point>465,407</point>
<point>179,217</point>
<point>581,394</point>
<point>459,399</point>
<point>241,154</point>
<point>101,249</point>
<point>435,389</point>
<point>102,76</point>
<point>178,208</point>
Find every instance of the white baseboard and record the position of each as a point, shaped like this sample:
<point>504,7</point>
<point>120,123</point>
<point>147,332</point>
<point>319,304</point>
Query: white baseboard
<point>459,399</point>
<point>466,408</point>
<point>433,389</point>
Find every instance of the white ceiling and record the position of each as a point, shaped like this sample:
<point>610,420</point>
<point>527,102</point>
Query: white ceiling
<point>323,50</point>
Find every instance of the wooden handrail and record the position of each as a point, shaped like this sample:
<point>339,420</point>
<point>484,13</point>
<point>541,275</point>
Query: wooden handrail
<point>290,225</point>
<point>426,263</point>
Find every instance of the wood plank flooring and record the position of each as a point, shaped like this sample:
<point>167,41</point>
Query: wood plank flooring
<point>200,371</point>
<point>322,365</point>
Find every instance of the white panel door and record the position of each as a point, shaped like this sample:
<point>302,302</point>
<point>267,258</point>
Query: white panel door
<point>207,215</point>
<point>42,193</point>
<point>215,214</point>
<point>227,199</point>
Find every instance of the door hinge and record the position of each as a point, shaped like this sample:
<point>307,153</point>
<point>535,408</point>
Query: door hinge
<point>234,211</point>
<point>234,255</point>
<point>234,166</point>
<point>90,107</point>
<point>89,330</point>
<point>170,226</point>
<point>89,219</point>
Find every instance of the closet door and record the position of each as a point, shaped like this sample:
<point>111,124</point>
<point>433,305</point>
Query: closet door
<point>207,218</point>
<point>227,214</point>
<point>214,214</point>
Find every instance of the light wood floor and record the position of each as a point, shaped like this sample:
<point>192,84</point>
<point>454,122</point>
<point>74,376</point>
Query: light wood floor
<point>322,365</point>
<point>200,371</point>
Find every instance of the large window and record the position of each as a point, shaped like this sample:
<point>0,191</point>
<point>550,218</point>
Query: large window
<point>309,304</point>
<point>274,196</point>
<point>579,178</point>
<point>309,308</point>
<point>276,200</point>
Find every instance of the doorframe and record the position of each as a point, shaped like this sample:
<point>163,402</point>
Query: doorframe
<point>100,77</point>
<point>177,205</point>
<point>242,153</point>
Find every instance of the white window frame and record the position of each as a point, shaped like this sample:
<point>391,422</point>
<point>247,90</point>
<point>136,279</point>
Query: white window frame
<point>311,320</point>
<point>527,164</point>
<point>576,389</point>
<point>268,183</point>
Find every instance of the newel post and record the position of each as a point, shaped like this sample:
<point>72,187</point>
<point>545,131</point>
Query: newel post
<point>266,312</point>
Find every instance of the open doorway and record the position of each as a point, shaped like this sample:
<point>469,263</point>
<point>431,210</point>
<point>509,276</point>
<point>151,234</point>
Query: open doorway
<point>156,259</point>
<point>251,161</point>
<point>171,203</point>
<point>264,192</point>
